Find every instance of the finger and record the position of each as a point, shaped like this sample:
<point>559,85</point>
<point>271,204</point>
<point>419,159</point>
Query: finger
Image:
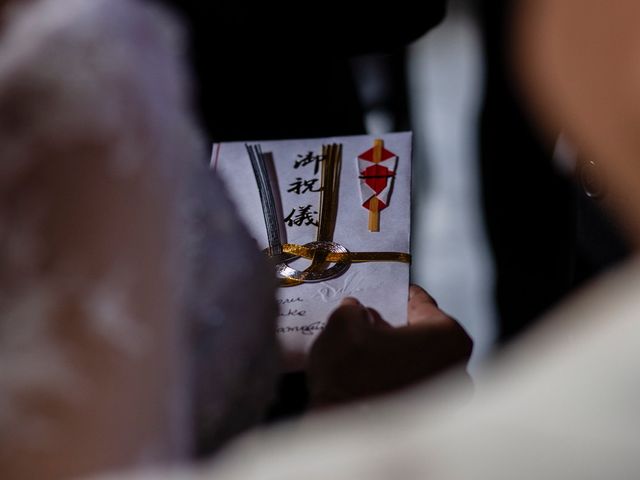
<point>347,326</point>
<point>349,311</point>
<point>423,310</point>
<point>376,319</point>
<point>350,301</point>
<point>419,294</point>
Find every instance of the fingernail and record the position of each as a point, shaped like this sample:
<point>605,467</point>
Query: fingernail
<point>413,289</point>
<point>350,301</point>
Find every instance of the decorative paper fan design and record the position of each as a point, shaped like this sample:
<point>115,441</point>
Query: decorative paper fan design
<point>377,167</point>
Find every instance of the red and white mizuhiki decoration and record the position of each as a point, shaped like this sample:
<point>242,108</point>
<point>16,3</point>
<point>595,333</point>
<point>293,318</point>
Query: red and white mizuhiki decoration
<point>377,167</point>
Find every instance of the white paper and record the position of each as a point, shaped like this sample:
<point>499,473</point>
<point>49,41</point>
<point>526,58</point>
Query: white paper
<point>304,309</point>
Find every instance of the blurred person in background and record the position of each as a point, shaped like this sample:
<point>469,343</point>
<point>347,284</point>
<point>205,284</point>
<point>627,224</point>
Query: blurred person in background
<point>549,234</point>
<point>562,401</point>
<point>122,346</point>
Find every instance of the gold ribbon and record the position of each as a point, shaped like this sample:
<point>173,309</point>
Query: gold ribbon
<point>326,251</point>
<point>351,257</point>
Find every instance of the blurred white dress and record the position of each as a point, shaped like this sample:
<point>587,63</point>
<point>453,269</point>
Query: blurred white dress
<point>133,304</point>
<point>562,404</point>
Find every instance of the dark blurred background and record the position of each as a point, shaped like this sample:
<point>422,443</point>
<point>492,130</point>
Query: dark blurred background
<point>501,231</point>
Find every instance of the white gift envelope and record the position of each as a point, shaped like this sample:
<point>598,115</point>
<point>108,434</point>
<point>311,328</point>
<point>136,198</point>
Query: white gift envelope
<point>333,214</point>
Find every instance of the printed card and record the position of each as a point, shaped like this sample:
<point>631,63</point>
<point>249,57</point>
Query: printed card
<point>333,214</point>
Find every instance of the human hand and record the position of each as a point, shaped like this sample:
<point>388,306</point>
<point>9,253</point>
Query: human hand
<point>359,354</point>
